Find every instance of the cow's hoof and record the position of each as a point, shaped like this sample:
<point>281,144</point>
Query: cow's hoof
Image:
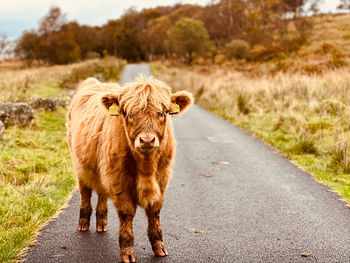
<point>83,227</point>
<point>101,221</point>
<point>101,227</point>
<point>84,224</point>
<point>128,258</point>
<point>160,251</point>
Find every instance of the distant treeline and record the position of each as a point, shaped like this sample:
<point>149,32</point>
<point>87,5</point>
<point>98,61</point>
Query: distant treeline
<point>251,29</point>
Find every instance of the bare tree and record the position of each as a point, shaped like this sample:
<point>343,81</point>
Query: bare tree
<point>53,21</point>
<point>4,45</point>
<point>344,4</point>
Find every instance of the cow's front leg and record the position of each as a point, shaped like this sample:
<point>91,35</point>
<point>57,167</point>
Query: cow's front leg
<point>101,212</point>
<point>155,230</point>
<point>126,209</point>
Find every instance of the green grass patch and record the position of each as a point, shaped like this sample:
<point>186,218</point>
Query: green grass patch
<point>47,90</point>
<point>35,179</point>
<point>155,67</point>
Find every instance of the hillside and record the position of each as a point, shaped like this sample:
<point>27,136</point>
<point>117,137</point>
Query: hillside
<point>330,33</point>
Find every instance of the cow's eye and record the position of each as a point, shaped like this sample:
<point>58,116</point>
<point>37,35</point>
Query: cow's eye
<point>160,114</point>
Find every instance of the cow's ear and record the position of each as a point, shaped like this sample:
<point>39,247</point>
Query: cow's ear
<point>111,103</point>
<point>180,101</point>
<point>109,99</point>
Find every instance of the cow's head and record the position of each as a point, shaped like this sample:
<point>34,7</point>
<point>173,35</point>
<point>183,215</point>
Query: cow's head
<point>145,106</point>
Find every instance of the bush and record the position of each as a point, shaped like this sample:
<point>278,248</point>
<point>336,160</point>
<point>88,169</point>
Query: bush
<point>326,47</point>
<point>333,107</point>
<point>260,52</point>
<point>220,59</point>
<point>92,55</point>
<point>337,60</point>
<point>238,49</point>
<point>305,143</point>
<point>341,155</point>
<point>103,69</point>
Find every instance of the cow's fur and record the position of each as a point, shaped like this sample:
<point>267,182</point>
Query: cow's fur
<point>107,159</point>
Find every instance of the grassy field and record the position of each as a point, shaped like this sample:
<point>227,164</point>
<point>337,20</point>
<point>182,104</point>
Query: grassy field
<point>24,84</point>
<point>306,117</point>
<point>36,176</point>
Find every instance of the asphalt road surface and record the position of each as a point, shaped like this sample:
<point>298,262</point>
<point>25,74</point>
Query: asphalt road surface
<point>231,199</point>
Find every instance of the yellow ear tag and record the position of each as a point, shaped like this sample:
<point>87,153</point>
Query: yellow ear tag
<point>114,110</point>
<point>175,109</point>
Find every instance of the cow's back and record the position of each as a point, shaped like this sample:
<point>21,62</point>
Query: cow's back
<point>85,120</point>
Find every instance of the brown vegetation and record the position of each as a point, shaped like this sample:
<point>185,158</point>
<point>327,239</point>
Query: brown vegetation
<point>305,116</point>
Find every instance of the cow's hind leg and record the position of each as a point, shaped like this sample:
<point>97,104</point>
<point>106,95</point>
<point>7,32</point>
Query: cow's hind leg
<point>101,212</point>
<point>85,207</point>
<point>155,230</point>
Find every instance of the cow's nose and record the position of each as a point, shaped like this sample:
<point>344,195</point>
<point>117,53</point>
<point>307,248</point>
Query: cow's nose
<point>147,140</point>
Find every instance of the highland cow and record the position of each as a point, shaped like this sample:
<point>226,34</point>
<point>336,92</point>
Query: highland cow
<point>122,145</point>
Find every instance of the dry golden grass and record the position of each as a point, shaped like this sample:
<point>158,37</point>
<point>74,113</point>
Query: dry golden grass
<point>23,84</point>
<point>307,117</point>
<point>13,84</point>
<point>331,30</point>
<point>11,64</point>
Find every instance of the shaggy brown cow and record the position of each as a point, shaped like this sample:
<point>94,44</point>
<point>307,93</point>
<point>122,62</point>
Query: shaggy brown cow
<point>122,146</point>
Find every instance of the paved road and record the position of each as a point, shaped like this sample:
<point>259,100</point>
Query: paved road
<point>254,206</point>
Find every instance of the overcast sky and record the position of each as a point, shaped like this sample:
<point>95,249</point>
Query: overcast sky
<point>19,15</point>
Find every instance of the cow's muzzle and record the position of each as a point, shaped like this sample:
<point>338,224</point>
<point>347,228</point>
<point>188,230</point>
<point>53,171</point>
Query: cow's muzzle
<point>146,141</point>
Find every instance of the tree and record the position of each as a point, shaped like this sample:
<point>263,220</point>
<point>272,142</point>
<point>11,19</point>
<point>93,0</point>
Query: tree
<point>4,45</point>
<point>293,6</point>
<point>188,36</point>
<point>154,38</point>
<point>63,48</point>
<point>86,37</point>
<point>344,4</point>
<point>52,22</point>
<point>28,46</point>
<point>125,33</point>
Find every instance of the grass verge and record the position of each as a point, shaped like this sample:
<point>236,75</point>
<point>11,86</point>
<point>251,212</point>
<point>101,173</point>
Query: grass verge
<point>35,180</point>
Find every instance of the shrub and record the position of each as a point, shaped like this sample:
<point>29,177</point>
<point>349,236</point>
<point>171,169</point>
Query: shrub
<point>341,154</point>
<point>92,55</point>
<point>219,59</point>
<point>326,47</point>
<point>260,52</point>
<point>238,49</point>
<point>333,107</point>
<point>104,70</point>
<point>305,143</point>
<point>337,60</point>
<point>242,104</point>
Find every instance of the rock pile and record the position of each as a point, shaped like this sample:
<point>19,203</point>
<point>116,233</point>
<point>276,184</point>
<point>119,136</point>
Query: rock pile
<point>48,104</point>
<point>16,113</point>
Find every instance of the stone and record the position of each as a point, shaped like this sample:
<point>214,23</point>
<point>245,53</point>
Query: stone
<point>2,130</point>
<point>16,113</point>
<point>48,104</point>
